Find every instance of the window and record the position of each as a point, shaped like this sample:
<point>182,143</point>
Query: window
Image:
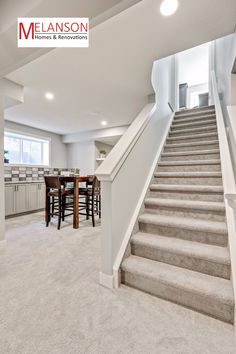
<point>28,150</point>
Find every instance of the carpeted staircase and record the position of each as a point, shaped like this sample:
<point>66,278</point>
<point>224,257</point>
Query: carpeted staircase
<point>180,252</point>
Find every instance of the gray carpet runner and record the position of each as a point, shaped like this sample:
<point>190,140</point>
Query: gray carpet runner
<point>181,251</point>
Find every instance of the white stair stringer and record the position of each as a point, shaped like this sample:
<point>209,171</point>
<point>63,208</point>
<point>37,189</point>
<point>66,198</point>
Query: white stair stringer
<point>180,252</point>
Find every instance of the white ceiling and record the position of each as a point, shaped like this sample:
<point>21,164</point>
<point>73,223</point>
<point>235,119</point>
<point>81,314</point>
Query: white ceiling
<point>194,65</point>
<point>11,9</point>
<point>13,57</point>
<point>111,79</point>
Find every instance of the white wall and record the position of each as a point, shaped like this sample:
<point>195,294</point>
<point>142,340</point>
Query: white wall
<point>82,156</point>
<point>58,148</point>
<point>194,65</point>
<point>224,56</point>
<point>99,146</point>
<point>224,53</point>
<point>2,193</point>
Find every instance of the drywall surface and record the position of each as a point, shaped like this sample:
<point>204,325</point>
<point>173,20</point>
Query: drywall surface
<point>194,65</point>
<point>2,193</point>
<point>99,146</point>
<point>82,156</point>
<point>58,148</point>
<point>225,52</point>
<point>224,58</point>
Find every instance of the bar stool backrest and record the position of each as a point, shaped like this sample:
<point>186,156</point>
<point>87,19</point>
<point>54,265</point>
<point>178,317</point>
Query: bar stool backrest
<point>96,185</point>
<point>52,182</point>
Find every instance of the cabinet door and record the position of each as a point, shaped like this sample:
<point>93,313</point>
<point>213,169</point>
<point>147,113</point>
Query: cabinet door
<point>41,196</point>
<point>21,198</point>
<point>32,197</point>
<point>9,199</point>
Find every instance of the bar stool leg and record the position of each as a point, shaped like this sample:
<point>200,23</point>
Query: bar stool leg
<point>63,207</point>
<point>87,207</point>
<point>93,221</point>
<point>59,213</point>
<point>99,206</point>
<point>47,211</point>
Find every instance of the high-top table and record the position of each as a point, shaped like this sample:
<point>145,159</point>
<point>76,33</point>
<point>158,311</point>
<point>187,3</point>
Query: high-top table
<point>76,180</point>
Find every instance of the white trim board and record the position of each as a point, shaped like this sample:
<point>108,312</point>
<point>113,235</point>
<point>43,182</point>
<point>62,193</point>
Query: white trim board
<point>106,280</point>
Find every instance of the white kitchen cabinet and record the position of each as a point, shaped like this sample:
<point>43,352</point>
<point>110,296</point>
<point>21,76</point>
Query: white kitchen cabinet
<point>9,199</point>
<point>21,198</point>
<point>32,196</point>
<point>41,195</point>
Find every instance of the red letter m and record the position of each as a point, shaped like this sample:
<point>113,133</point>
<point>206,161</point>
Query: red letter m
<point>22,28</point>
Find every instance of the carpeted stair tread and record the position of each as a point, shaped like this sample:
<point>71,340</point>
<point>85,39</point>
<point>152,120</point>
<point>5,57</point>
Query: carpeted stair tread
<point>185,204</point>
<point>189,162</point>
<point>194,123</point>
<point>193,119</point>
<point>198,143</point>
<point>188,174</point>
<point>193,130</point>
<point>179,278</point>
<point>193,152</point>
<point>187,188</point>
<point>183,247</point>
<point>186,137</point>
<point>180,115</point>
<point>216,227</point>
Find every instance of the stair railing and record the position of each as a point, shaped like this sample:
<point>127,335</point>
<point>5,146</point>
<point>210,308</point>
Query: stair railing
<point>227,176</point>
<point>125,176</point>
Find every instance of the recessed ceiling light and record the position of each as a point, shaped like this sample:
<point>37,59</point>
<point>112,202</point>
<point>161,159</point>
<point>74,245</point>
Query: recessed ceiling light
<point>49,96</point>
<point>168,7</point>
<point>103,122</point>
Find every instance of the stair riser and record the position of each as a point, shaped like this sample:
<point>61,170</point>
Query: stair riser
<point>180,115</point>
<point>188,132</point>
<point>185,234</point>
<point>181,260</point>
<point>209,181</point>
<point>188,213</point>
<point>196,110</point>
<point>210,306</point>
<point>190,168</point>
<point>177,127</point>
<point>193,123</point>
<point>188,196</point>
<point>192,148</point>
<point>193,119</point>
<point>190,157</point>
<point>186,139</point>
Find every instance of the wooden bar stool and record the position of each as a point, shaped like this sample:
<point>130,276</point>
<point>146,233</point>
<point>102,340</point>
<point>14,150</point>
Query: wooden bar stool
<point>91,205</point>
<point>56,203</point>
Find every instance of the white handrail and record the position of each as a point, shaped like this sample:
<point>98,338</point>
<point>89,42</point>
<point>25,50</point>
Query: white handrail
<point>228,178</point>
<point>111,165</point>
<point>226,164</point>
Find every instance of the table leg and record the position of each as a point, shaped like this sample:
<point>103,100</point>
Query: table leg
<point>76,204</point>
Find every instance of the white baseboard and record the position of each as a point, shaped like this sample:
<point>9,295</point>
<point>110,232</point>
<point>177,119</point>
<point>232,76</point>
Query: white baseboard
<point>106,280</point>
<point>3,244</point>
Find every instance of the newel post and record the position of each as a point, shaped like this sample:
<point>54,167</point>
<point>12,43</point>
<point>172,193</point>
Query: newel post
<point>106,274</point>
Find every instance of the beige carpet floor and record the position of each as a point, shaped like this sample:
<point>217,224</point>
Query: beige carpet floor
<point>51,301</point>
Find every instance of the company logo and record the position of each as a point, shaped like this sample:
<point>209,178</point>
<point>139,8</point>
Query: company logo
<point>53,32</point>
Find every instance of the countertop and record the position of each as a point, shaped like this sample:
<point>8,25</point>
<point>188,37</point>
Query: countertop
<point>24,182</point>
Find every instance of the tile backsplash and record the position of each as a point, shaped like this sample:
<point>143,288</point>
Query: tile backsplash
<point>25,173</point>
